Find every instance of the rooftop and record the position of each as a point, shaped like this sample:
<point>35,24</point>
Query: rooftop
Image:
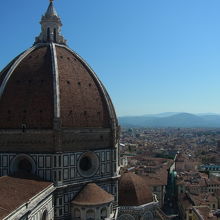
<point>15,192</point>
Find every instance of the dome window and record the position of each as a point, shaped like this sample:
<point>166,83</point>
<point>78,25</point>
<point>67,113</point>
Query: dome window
<point>79,83</point>
<point>90,84</point>
<point>88,164</point>
<point>23,164</point>
<point>85,163</point>
<point>68,82</point>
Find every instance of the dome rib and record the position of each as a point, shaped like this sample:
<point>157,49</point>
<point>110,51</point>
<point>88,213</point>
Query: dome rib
<point>56,86</point>
<point>13,67</point>
<point>5,70</point>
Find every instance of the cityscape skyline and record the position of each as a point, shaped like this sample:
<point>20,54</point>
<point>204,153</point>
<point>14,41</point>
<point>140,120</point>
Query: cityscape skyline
<point>152,56</point>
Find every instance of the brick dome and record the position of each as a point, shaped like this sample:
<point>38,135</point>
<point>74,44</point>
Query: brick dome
<point>92,195</point>
<point>133,190</point>
<point>49,82</point>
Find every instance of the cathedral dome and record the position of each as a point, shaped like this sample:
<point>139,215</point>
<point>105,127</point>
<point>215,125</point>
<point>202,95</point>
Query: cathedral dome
<point>133,190</point>
<point>49,87</point>
<point>49,82</point>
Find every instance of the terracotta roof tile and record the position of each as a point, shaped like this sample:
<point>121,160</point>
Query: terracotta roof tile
<point>92,194</point>
<point>15,191</point>
<point>133,190</point>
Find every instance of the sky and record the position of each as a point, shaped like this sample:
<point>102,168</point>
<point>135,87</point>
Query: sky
<point>152,55</point>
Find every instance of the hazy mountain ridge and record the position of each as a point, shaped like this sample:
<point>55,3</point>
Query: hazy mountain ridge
<point>172,119</point>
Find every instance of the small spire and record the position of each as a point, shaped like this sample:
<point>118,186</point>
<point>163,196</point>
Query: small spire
<point>50,27</point>
<point>51,11</point>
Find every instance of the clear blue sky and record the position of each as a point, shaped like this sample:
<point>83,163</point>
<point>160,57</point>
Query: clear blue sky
<point>152,55</point>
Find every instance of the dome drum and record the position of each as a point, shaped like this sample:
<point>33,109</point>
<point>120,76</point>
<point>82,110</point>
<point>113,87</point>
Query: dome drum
<point>71,140</point>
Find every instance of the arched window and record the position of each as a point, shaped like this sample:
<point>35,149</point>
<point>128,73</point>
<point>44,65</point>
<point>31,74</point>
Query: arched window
<point>48,34</point>
<point>77,214</point>
<point>90,215</point>
<point>103,213</point>
<point>22,164</point>
<point>45,215</point>
<point>55,35</point>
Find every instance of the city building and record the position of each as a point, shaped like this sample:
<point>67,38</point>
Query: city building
<point>136,200</point>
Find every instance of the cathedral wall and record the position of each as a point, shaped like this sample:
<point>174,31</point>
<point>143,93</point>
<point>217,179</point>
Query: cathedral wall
<point>62,168</point>
<point>38,141</point>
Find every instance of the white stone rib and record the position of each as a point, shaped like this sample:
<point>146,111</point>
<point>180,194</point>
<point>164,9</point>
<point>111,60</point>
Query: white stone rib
<point>56,85</point>
<point>13,67</point>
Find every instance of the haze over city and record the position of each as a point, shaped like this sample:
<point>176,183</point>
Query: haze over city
<point>153,56</point>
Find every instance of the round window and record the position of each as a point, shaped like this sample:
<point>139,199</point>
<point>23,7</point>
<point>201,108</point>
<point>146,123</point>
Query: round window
<point>85,163</point>
<point>88,164</point>
<point>23,163</point>
<point>25,166</point>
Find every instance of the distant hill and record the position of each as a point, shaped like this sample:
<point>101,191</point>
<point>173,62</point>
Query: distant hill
<point>172,119</point>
